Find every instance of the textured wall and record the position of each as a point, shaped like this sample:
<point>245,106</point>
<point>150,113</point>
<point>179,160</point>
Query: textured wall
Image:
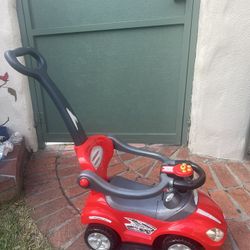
<point>19,112</point>
<point>220,112</point>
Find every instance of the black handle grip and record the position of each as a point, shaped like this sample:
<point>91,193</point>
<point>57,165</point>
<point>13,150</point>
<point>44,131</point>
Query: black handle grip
<point>11,57</point>
<point>184,184</point>
<point>100,185</point>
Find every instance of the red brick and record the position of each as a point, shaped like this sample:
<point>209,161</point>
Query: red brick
<point>68,171</point>
<point>242,197</point>
<point>155,173</point>
<point>6,183</point>
<point>247,187</point>
<point>49,208</point>
<point>40,179</point>
<point>227,245</point>
<point>8,195</point>
<point>34,170</point>
<point>68,181</point>
<point>66,232</point>
<point>182,153</point>
<point>168,150</point>
<point>225,177</point>
<point>38,199</point>
<point>222,199</point>
<point>68,161</point>
<point>115,160</point>
<point>74,191</point>
<point>248,224</point>
<point>146,181</point>
<point>240,170</point>
<point>78,244</point>
<point>48,175</point>
<point>31,187</point>
<point>8,167</point>
<point>79,201</point>
<point>127,156</point>
<point>145,171</point>
<point>240,233</point>
<point>130,175</point>
<point>42,161</point>
<point>116,169</point>
<point>48,223</point>
<point>247,164</point>
<point>140,162</point>
<point>44,154</point>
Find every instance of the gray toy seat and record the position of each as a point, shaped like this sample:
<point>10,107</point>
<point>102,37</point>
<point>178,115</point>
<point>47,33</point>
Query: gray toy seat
<point>152,207</point>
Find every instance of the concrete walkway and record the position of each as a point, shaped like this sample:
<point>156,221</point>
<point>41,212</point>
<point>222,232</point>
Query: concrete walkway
<point>56,199</point>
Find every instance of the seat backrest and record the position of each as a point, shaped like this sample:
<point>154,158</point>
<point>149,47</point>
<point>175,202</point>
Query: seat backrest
<point>95,154</point>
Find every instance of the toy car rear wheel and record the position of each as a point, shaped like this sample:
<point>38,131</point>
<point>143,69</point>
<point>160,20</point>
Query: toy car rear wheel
<point>172,242</point>
<point>99,237</point>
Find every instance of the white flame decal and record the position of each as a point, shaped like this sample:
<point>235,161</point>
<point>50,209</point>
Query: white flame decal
<point>139,226</point>
<point>73,118</point>
<point>96,156</point>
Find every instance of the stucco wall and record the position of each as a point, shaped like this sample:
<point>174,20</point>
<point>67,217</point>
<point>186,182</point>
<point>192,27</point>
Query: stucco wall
<point>19,112</point>
<point>221,88</point>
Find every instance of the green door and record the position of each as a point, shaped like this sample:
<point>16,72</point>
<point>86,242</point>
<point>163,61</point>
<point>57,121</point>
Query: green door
<point>122,64</point>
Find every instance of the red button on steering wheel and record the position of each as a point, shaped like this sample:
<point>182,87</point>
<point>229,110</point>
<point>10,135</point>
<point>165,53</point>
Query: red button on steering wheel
<point>183,170</point>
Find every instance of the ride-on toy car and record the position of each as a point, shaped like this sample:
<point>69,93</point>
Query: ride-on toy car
<point>171,215</point>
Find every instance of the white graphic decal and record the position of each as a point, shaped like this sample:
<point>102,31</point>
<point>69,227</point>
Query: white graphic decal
<point>96,156</point>
<point>99,218</point>
<point>206,214</point>
<point>73,118</point>
<point>139,226</point>
<point>168,169</point>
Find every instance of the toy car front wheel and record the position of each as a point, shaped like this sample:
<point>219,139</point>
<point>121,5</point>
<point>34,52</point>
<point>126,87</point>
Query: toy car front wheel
<point>99,237</point>
<point>172,242</point>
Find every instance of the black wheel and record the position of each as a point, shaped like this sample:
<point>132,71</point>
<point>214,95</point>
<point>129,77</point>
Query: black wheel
<point>174,242</point>
<point>99,237</point>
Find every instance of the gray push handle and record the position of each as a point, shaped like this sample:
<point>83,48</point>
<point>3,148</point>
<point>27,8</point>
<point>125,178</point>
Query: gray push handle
<point>40,74</point>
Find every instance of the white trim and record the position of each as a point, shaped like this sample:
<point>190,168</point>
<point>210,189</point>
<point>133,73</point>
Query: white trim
<point>208,215</point>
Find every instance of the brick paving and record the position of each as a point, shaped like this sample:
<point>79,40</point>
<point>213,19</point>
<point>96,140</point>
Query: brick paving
<point>56,199</point>
<point>11,173</point>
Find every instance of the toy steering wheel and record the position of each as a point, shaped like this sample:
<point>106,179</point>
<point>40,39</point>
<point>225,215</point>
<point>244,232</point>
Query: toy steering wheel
<point>182,173</point>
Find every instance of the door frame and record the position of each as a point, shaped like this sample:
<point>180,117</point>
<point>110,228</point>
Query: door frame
<point>190,71</point>
<point>36,95</point>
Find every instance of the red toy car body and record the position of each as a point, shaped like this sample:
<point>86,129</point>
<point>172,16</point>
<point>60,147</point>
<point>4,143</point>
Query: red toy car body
<point>206,216</point>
